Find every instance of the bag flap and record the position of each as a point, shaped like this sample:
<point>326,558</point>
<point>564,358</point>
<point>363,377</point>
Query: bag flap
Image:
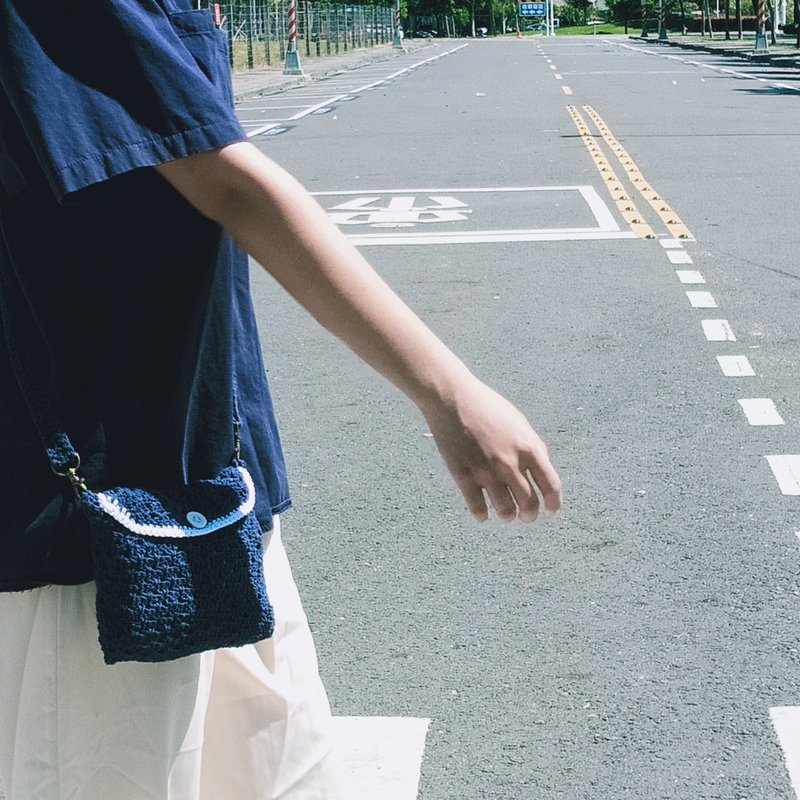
<point>198,508</point>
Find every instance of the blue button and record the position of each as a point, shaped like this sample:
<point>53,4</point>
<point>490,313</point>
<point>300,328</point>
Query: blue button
<point>196,519</point>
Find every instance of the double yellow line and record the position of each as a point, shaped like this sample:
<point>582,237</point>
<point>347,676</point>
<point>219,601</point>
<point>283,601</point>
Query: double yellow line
<point>621,197</point>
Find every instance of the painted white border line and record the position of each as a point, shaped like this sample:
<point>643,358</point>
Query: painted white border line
<point>735,366</point>
<point>262,129</point>
<point>718,330</point>
<point>679,257</point>
<point>671,244</point>
<point>732,72</point>
<point>761,411</point>
<point>408,69</point>
<point>382,756</point>
<point>477,237</point>
<point>701,299</point>
<point>786,469</point>
<point>607,227</point>
<point>689,275</point>
<point>786,721</point>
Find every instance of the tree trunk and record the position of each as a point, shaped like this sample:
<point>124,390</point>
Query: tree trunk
<point>727,20</point>
<point>739,19</point>
<point>797,22</point>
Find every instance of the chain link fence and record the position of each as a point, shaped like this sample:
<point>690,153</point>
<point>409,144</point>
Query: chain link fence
<point>257,30</point>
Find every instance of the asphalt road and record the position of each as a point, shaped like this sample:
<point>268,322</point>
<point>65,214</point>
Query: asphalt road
<point>636,645</point>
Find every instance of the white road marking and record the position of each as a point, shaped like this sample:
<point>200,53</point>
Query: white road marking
<point>671,244</point>
<point>558,77</point>
<point>679,257</point>
<point>718,330</point>
<point>362,210</point>
<point>477,237</point>
<point>262,129</point>
<point>723,70</point>
<point>701,299</point>
<point>566,90</point>
<point>735,366</point>
<point>553,66</point>
<point>786,469</point>
<point>311,109</point>
<point>786,721</point>
<point>690,276</point>
<point>382,756</point>
<point>761,411</point>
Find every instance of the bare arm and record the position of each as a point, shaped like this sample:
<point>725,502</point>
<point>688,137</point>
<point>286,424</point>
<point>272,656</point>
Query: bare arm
<point>486,443</point>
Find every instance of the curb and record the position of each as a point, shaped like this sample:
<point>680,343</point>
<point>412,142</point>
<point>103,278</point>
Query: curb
<point>776,58</point>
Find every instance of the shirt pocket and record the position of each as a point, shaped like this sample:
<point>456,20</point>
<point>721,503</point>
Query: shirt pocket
<point>207,46</point>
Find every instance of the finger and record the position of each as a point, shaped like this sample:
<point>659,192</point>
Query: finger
<point>546,480</point>
<point>501,500</point>
<point>525,496</point>
<point>476,502</point>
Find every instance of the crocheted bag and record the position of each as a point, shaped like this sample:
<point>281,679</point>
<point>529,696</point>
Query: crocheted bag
<point>178,571</point>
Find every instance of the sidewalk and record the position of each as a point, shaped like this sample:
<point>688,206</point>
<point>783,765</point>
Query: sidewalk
<point>783,54</point>
<point>252,83</point>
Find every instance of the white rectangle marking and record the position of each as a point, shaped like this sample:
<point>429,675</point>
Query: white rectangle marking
<point>735,366</point>
<point>786,470</point>
<point>679,257</point>
<point>558,77</point>
<point>382,756</point>
<point>608,227</point>
<point>786,721</point>
<point>701,299</point>
<point>690,276</point>
<point>761,411</point>
<point>718,330</point>
<point>566,90</point>
<point>669,244</point>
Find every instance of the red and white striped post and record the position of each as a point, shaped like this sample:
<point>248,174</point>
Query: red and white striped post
<point>397,39</point>
<point>292,65</point>
<point>761,29</point>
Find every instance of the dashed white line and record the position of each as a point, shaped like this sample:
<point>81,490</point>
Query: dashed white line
<point>566,90</point>
<point>558,77</point>
<point>786,469</point>
<point>701,299</point>
<point>735,366</point>
<point>689,276</point>
<point>718,330</point>
<point>670,244</point>
<point>761,411</point>
<point>679,257</point>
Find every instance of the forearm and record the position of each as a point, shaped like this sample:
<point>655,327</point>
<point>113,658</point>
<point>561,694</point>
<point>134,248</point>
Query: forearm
<point>275,220</point>
<point>488,445</point>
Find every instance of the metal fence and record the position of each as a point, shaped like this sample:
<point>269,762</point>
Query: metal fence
<point>258,29</point>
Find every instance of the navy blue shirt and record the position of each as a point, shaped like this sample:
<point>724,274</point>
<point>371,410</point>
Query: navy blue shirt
<point>142,305</point>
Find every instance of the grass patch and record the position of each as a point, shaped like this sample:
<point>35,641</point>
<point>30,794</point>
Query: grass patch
<point>582,30</point>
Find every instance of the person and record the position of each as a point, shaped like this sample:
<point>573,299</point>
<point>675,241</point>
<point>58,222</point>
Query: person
<point>130,198</point>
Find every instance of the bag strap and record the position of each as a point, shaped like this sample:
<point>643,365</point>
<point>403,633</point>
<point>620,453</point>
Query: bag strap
<point>14,305</point>
<point>16,315</point>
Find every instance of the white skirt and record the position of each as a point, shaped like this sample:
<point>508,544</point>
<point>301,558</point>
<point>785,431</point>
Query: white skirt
<point>247,723</point>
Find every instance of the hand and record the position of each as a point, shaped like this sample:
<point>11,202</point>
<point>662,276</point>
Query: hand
<point>489,447</point>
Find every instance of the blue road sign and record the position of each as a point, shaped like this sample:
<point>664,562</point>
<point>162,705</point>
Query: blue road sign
<point>532,9</point>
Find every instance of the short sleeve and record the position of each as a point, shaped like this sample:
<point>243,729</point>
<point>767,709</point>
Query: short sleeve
<point>103,87</point>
